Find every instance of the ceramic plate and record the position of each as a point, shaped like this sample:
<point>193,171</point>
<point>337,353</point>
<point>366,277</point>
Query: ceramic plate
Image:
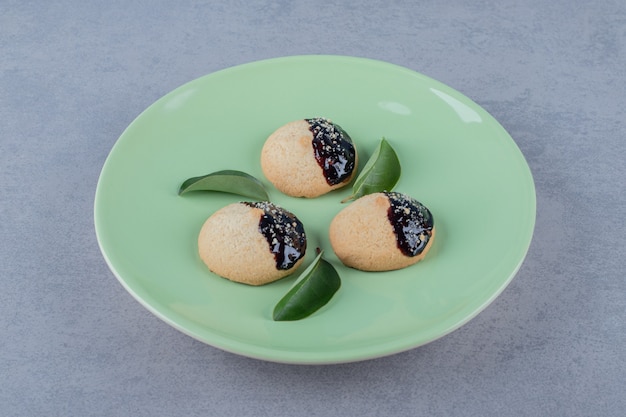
<point>456,159</point>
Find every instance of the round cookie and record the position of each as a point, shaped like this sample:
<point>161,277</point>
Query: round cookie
<point>382,232</point>
<point>309,157</point>
<point>252,243</point>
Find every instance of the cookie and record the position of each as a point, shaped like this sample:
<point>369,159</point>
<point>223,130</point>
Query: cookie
<point>309,158</point>
<point>252,242</point>
<point>382,231</point>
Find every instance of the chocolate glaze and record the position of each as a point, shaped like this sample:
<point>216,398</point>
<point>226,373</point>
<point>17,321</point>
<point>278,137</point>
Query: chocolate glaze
<point>412,223</point>
<point>283,231</point>
<point>333,149</point>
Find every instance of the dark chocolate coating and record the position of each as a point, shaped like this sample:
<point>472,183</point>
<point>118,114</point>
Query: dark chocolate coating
<point>333,149</point>
<point>412,223</point>
<point>284,233</point>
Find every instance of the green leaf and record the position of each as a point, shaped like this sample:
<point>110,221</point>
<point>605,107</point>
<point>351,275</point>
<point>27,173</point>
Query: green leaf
<point>313,289</point>
<point>380,173</point>
<point>228,181</point>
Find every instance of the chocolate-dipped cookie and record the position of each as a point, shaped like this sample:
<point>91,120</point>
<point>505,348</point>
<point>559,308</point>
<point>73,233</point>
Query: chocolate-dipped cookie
<point>252,242</point>
<point>382,232</point>
<point>309,157</point>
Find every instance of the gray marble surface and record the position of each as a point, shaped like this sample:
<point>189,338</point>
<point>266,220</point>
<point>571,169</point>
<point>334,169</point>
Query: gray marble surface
<point>74,74</point>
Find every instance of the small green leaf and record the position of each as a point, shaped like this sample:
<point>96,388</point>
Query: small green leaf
<point>380,173</point>
<point>228,181</point>
<point>313,289</point>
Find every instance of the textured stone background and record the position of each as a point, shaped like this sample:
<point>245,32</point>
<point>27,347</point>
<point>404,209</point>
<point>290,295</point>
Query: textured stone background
<point>74,74</point>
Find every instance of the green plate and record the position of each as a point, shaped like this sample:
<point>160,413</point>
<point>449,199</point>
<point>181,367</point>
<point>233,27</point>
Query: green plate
<point>456,159</point>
